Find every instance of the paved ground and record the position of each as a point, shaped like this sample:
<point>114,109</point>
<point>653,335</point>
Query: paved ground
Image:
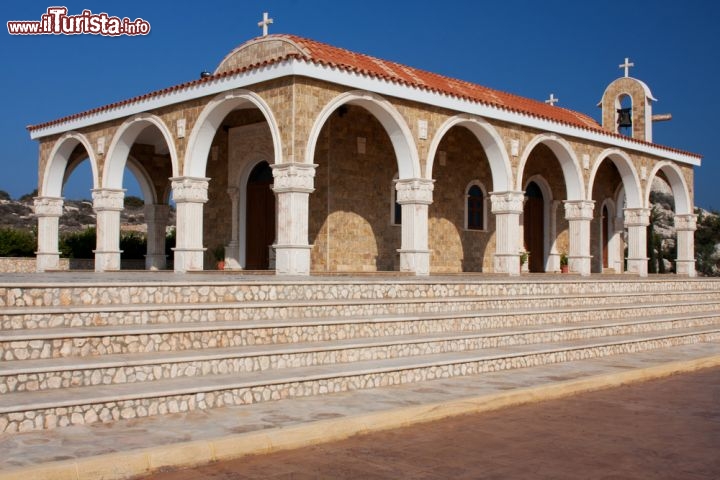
<point>660,429</point>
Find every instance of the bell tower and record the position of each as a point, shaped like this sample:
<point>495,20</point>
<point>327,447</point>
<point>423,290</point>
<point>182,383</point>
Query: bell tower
<point>627,106</point>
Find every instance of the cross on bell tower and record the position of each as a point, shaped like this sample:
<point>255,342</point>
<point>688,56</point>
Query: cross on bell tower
<point>264,23</point>
<point>552,100</point>
<point>626,66</point>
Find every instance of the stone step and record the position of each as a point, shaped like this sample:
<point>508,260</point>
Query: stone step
<point>91,341</point>
<point>49,374</point>
<point>110,314</point>
<point>201,290</point>
<point>37,410</point>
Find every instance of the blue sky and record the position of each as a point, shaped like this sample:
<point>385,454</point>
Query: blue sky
<point>530,48</point>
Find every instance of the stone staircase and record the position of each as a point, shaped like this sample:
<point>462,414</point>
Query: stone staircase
<point>100,352</point>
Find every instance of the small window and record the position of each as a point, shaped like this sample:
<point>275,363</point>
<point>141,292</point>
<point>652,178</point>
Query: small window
<point>396,210</point>
<point>475,208</point>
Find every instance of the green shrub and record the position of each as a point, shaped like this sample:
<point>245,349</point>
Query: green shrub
<point>79,244</point>
<point>17,243</point>
<point>133,245</point>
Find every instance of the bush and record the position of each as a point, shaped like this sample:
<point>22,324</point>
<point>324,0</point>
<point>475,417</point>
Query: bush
<point>28,197</point>
<point>134,202</point>
<point>133,245</point>
<point>79,244</point>
<point>4,195</point>
<point>17,243</point>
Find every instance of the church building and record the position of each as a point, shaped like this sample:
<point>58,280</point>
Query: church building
<point>304,158</point>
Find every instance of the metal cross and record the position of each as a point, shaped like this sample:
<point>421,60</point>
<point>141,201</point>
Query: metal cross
<point>626,66</point>
<point>265,22</point>
<point>552,100</point>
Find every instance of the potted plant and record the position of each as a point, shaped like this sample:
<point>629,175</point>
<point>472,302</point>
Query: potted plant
<point>219,254</point>
<point>524,257</point>
<point>563,263</point>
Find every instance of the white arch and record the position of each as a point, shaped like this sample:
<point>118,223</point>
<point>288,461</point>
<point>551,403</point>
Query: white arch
<point>565,154</point>
<point>681,193</point>
<point>54,175</point>
<point>123,141</point>
<point>143,178</point>
<point>630,178</point>
<point>394,124</point>
<point>491,142</point>
<point>210,120</point>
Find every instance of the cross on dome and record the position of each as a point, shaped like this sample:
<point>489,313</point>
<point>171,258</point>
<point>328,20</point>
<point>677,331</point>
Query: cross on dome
<point>552,100</point>
<point>626,66</point>
<point>264,23</point>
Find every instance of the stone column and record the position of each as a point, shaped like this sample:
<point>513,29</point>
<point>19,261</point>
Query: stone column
<point>619,243</point>
<point>637,221</point>
<point>48,211</point>
<point>579,214</point>
<point>414,196</point>
<point>156,218</point>
<point>108,203</point>
<point>507,207</point>
<point>293,184</point>
<point>190,194</point>
<point>232,250</point>
<point>685,226</point>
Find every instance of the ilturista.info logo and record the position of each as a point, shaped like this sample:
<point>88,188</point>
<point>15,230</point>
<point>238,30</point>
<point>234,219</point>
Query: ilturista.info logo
<point>56,21</point>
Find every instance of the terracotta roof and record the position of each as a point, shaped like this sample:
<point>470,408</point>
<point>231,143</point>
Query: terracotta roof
<point>324,54</point>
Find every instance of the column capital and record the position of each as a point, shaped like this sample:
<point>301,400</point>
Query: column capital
<point>111,199</point>
<point>190,189</point>
<point>637,217</point>
<point>414,191</point>
<point>579,209</point>
<point>686,222</point>
<point>294,177</point>
<point>48,206</point>
<point>507,202</point>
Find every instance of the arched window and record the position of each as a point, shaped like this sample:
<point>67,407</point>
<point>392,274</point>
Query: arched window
<point>396,208</point>
<point>475,207</point>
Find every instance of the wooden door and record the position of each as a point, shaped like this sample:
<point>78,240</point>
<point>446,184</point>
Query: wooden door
<point>260,218</point>
<point>534,227</point>
<point>605,238</point>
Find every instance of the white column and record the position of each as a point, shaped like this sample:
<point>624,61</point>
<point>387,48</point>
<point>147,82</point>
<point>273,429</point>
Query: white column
<point>293,184</point>
<point>48,211</point>
<point>108,203</point>
<point>579,214</point>
<point>156,218</point>
<point>190,194</point>
<point>507,207</point>
<point>618,244</point>
<point>232,250</point>
<point>685,226</point>
<point>414,196</point>
<point>637,221</point>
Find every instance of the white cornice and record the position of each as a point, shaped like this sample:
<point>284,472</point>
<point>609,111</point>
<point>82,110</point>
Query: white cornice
<point>356,81</point>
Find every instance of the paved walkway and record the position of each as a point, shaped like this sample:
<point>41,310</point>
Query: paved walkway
<point>660,429</point>
<point>136,447</point>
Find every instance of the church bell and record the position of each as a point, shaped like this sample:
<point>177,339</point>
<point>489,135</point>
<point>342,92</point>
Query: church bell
<point>624,117</point>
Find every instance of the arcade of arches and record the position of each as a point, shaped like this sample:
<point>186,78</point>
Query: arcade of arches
<point>300,157</point>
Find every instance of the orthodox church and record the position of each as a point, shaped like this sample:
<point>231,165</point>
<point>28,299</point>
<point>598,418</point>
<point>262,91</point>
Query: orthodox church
<point>301,157</point>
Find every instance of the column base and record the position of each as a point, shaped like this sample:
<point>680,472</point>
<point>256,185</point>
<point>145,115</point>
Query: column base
<point>189,259</point>
<point>507,263</point>
<point>47,261</point>
<point>580,264</point>
<point>685,267</point>
<point>415,261</point>
<point>292,259</point>
<point>156,262</point>
<point>107,261</point>
<point>638,266</point>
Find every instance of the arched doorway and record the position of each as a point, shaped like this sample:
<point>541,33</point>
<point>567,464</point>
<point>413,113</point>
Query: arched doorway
<point>260,226</point>
<point>534,227</point>
<point>605,236</point>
